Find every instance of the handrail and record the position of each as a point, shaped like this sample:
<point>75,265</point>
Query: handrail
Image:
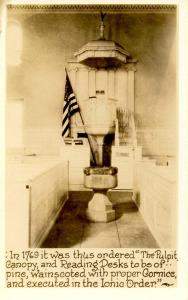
<point>134,136</point>
<point>124,121</point>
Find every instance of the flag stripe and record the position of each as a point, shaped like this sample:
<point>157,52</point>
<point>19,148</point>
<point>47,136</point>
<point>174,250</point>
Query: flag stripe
<point>71,97</point>
<point>66,104</point>
<point>65,132</point>
<point>71,101</point>
<point>74,111</point>
<point>65,120</point>
<point>65,113</point>
<point>73,105</point>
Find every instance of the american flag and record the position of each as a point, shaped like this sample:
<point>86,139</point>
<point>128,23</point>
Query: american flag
<point>70,107</point>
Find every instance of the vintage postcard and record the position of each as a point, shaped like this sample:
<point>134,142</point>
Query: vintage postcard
<point>95,134</point>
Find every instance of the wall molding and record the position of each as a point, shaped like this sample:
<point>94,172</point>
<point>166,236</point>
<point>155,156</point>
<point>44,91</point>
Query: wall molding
<point>111,8</point>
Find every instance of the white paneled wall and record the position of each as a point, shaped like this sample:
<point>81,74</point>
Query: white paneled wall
<point>48,192</point>
<point>122,158</point>
<point>17,215</point>
<point>157,200</point>
<point>34,198</point>
<point>78,158</point>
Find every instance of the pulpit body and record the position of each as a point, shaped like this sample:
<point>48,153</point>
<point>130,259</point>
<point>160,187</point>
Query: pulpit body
<point>115,85</point>
<point>102,77</point>
<point>100,115</point>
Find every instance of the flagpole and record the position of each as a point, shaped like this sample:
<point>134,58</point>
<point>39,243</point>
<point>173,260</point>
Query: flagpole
<point>92,152</point>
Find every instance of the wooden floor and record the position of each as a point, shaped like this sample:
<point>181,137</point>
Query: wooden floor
<point>72,230</point>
